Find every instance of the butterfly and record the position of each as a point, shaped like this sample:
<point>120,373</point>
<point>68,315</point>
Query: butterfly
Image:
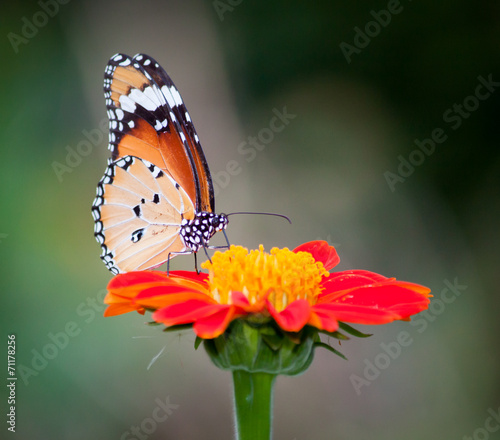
<point>156,198</point>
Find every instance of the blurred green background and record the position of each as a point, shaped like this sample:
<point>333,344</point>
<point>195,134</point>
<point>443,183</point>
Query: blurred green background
<point>360,103</point>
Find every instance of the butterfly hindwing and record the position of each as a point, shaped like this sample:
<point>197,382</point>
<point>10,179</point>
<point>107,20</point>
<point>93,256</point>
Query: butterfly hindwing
<point>138,213</point>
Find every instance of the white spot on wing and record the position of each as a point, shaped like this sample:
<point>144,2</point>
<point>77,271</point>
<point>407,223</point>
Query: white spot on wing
<point>142,99</point>
<point>170,99</point>
<point>127,104</point>
<point>176,95</point>
<point>155,97</point>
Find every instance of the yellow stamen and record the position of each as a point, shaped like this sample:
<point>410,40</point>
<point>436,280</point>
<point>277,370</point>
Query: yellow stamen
<point>285,275</point>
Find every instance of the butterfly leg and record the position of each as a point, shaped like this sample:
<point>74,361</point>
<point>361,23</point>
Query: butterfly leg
<point>205,249</point>
<point>227,240</point>
<point>226,246</point>
<point>173,254</point>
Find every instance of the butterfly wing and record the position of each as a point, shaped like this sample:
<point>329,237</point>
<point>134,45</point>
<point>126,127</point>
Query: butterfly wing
<point>148,119</point>
<point>138,212</point>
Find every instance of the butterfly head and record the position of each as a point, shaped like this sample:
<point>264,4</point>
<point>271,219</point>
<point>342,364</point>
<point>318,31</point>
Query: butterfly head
<point>197,232</point>
<point>219,222</point>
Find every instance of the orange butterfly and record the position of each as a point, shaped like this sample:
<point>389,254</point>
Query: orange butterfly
<point>156,198</point>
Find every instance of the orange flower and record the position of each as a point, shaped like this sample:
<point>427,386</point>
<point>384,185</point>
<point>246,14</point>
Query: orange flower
<point>293,288</point>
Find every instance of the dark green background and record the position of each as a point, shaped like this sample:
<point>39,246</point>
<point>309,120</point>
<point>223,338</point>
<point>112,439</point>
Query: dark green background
<point>325,170</point>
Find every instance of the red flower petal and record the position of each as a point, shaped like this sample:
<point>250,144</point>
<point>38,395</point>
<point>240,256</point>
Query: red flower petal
<point>338,282</point>
<point>121,308</point>
<point>160,290</point>
<point>186,312</point>
<point>190,275</point>
<point>357,314</point>
<point>215,324</point>
<point>415,287</point>
<point>382,296</point>
<point>162,296</point>
<point>323,318</point>
<point>294,317</point>
<point>239,300</point>
<point>120,304</point>
<point>376,304</point>
<point>134,278</point>
<point>131,283</point>
<point>356,277</point>
<point>321,251</point>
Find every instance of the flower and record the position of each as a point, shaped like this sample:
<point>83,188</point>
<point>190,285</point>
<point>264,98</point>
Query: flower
<point>292,288</point>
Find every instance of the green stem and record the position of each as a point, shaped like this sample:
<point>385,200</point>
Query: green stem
<point>253,401</point>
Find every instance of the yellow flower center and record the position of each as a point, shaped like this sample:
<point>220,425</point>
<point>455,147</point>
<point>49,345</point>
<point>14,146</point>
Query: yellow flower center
<point>283,275</point>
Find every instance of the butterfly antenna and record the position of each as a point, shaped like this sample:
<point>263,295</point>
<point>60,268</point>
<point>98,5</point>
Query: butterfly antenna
<point>262,213</point>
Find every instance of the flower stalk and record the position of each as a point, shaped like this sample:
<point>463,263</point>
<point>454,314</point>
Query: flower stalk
<point>253,404</point>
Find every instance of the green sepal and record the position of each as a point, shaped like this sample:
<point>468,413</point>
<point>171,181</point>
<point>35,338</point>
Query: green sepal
<point>197,342</point>
<point>353,331</point>
<point>274,342</point>
<point>177,328</point>
<point>330,348</point>
<point>336,335</point>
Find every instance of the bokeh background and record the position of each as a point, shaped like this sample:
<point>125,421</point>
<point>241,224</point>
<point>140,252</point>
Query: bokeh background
<point>359,105</point>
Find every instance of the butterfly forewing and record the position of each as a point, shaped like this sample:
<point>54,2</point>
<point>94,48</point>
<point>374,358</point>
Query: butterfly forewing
<point>143,123</point>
